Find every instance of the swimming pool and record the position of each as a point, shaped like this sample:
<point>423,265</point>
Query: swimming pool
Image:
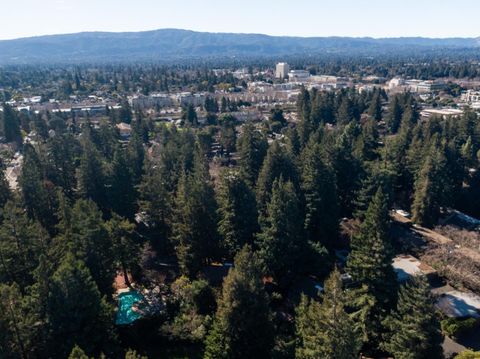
<point>125,313</point>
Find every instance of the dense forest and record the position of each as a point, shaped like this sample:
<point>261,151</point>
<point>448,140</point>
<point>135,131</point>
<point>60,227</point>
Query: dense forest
<point>160,211</point>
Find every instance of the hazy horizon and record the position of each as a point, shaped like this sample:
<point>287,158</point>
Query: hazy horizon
<point>344,18</point>
<point>238,33</point>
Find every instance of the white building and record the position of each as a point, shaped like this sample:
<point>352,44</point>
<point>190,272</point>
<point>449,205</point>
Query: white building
<point>298,76</point>
<point>396,82</point>
<point>471,96</point>
<point>282,70</point>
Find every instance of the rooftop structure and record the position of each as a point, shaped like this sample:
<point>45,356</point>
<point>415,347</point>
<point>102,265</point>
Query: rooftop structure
<point>298,75</point>
<point>472,98</point>
<point>407,266</point>
<point>456,304</point>
<point>444,112</point>
<point>396,82</point>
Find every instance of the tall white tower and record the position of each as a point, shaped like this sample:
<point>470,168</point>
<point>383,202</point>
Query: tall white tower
<point>282,70</point>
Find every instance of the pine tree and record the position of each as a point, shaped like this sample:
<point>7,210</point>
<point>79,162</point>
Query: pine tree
<point>122,192</point>
<point>430,190</point>
<point>394,116</point>
<point>136,157</point>
<point>345,114</point>
<point>5,192</point>
<point>278,162</point>
<point>156,203</point>
<point>194,228</point>
<point>347,169</point>
<point>304,108</point>
<point>17,331</point>
<point>321,201</point>
<point>62,152</point>
<point>39,202</point>
<point>76,311</point>
<point>10,124</point>
<point>413,328</point>
<point>377,177</point>
<point>189,115</point>
<point>281,240</point>
<point>126,248</point>
<point>91,175</point>
<point>252,148</point>
<point>242,327</point>
<point>228,134</point>
<point>237,213</point>
<point>22,241</point>
<point>370,264</point>
<point>83,233</point>
<point>375,109</point>
<point>325,330</point>
<point>370,261</point>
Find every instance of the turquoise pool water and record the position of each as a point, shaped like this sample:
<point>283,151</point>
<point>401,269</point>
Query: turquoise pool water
<point>125,314</point>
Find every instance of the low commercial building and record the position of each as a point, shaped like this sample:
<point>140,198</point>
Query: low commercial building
<point>298,76</point>
<point>153,100</point>
<point>443,112</point>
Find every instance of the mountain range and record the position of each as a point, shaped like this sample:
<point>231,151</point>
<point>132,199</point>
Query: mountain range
<point>171,44</point>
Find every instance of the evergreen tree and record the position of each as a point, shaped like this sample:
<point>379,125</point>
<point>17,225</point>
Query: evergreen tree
<point>5,192</point>
<point>17,324</point>
<point>252,148</point>
<point>345,111</point>
<point>281,240</point>
<point>126,248</point>
<point>122,191</point>
<point>22,241</point>
<point>38,200</point>
<point>62,152</point>
<point>394,116</point>
<point>278,162</point>
<point>413,328</point>
<point>76,311</point>
<point>189,115</point>
<point>325,330</point>
<point>304,107</point>
<point>228,134</point>
<point>10,124</point>
<point>370,261</point>
<point>370,264</point>
<point>242,327</point>
<point>91,175</point>
<point>156,203</point>
<point>429,190</point>
<point>237,213</point>
<point>375,108</point>
<point>136,157</point>
<point>377,177</point>
<point>195,220</point>
<point>83,233</point>
<point>347,170</point>
<point>321,202</point>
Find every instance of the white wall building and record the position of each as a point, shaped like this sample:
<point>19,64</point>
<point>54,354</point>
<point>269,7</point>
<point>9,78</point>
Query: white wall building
<point>281,71</point>
<point>298,76</point>
<point>396,82</point>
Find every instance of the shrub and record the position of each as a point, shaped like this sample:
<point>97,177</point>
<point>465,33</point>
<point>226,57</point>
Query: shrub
<point>454,327</point>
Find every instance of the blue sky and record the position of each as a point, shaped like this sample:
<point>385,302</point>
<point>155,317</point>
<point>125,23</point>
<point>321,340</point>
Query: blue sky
<point>377,18</point>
